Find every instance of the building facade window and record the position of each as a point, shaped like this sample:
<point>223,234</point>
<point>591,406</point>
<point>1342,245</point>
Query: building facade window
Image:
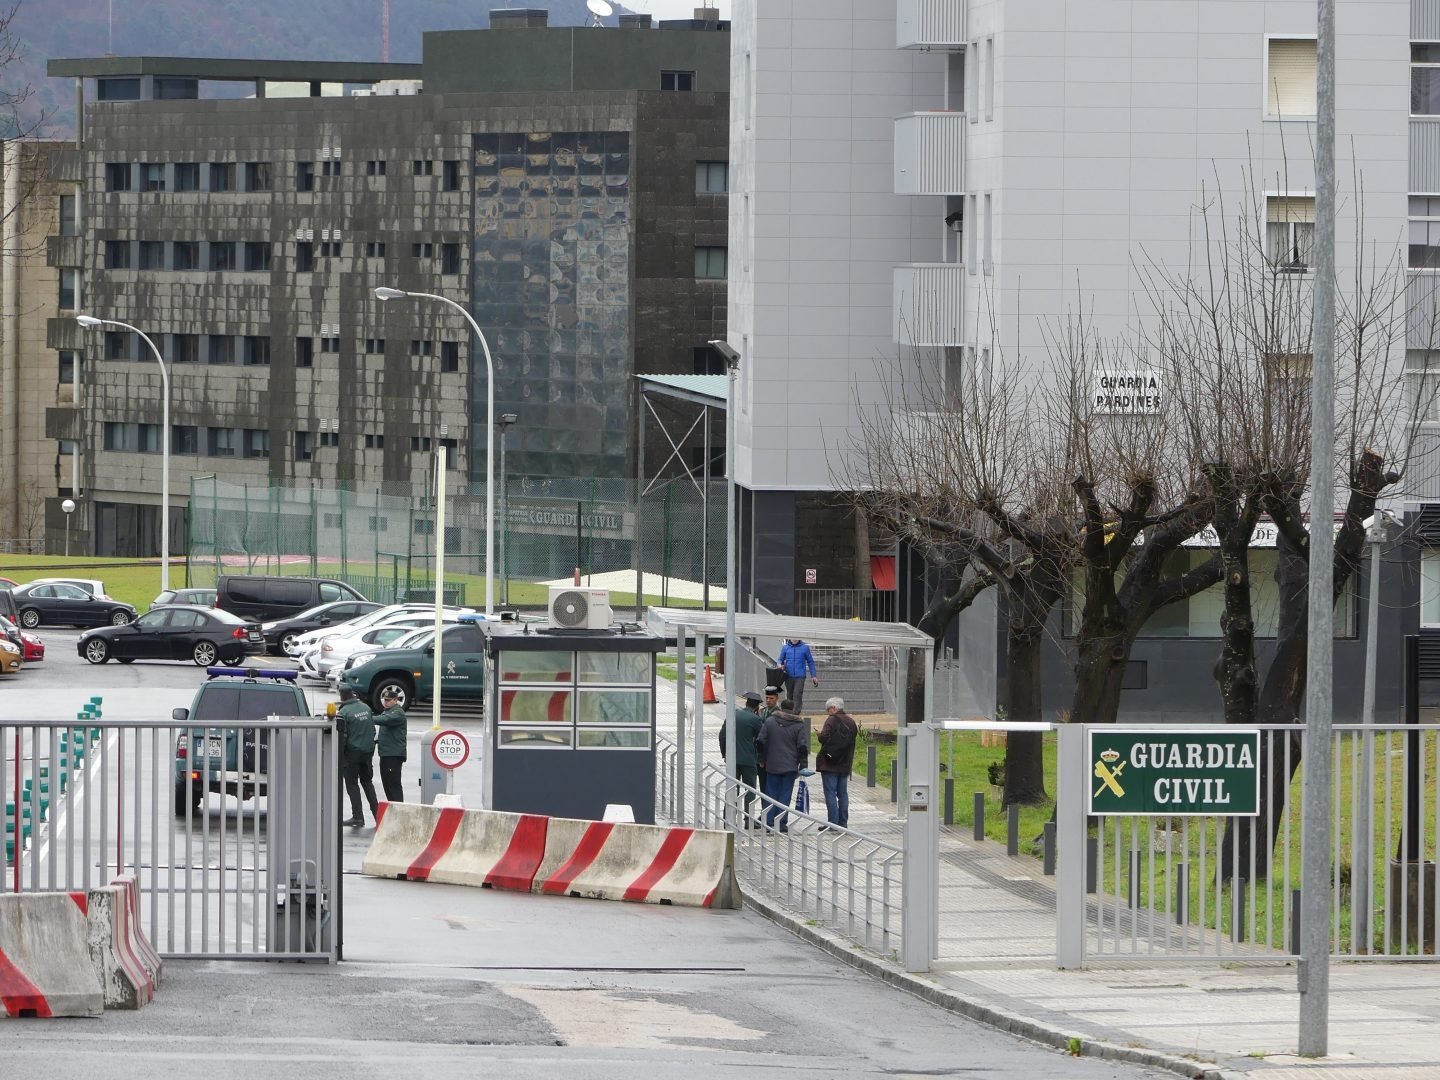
<point>117,176</point>
<point>422,167</point>
<point>303,451</point>
<point>712,177</point>
<point>375,168</point>
<point>152,177</point>
<point>331,249</point>
<point>69,287</point>
<point>69,366</point>
<point>117,254</point>
<point>677,80</point>
<point>375,249</point>
<point>184,439</point>
<point>257,176</point>
<point>374,441</point>
<point>257,443</point>
<point>710,263</point>
<point>330,168</point>
<point>304,257</point>
<point>1290,79</point>
<point>220,349</point>
<point>1430,587</point>
<point>422,347</point>
<point>449,356</point>
<point>220,441</point>
<point>257,255</point>
<point>222,176</point>
<point>257,350</point>
<point>329,438</point>
<point>222,255</point>
<point>329,344</point>
<point>1422,377</point>
<point>304,176</point>
<point>449,258</point>
<point>184,348</point>
<point>187,176</point>
<point>185,255</point>
<point>304,352</point>
<point>1425,78</point>
<point>148,436</point>
<point>708,361</point>
<point>450,176</point>
<point>1424,241</point>
<point>117,345</point>
<point>422,251</point>
<point>69,217</point>
<point>1290,232</point>
<point>375,346</point>
<point>152,255</point>
<point>420,444</point>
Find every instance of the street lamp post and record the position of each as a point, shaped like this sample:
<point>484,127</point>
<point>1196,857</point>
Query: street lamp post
<point>69,507</point>
<point>732,561</point>
<point>90,322</point>
<point>505,421</point>
<point>384,293</point>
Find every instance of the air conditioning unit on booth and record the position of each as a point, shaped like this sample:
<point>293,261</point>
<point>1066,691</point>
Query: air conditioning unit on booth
<point>580,609</point>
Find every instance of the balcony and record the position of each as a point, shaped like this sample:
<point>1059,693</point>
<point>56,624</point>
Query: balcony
<point>929,304</point>
<point>930,153</point>
<point>929,24</point>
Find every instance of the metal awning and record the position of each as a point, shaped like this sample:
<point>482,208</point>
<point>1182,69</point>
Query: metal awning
<point>667,621</point>
<point>709,390</point>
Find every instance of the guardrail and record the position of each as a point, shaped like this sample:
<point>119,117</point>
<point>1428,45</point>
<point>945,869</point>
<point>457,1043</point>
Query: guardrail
<point>848,881</point>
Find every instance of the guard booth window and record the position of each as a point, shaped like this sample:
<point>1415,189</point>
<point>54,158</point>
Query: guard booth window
<point>583,700</point>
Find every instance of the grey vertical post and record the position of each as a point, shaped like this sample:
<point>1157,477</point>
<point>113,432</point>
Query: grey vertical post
<point>1182,894</point>
<point>895,774</point>
<point>732,563</point>
<point>870,765</point>
<point>920,886</point>
<point>1012,829</point>
<point>1363,829</point>
<point>702,645</point>
<point>1295,920</point>
<point>1048,856</point>
<point>1237,909</point>
<point>1313,971</point>
<point>1092,863</point>
<point>949,800</point>
<point>1132,885</point>
<point>680,632</point>
<point>978,828</point>
<point>1070,848</point>
<point>641,402</point>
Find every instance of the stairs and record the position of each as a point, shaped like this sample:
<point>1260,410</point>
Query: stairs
<point>852,674</point>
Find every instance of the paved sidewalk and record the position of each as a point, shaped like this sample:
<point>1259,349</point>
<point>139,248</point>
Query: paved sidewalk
<point>997,941</point>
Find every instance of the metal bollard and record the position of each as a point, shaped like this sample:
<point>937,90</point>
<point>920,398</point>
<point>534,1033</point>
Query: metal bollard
<point>870,765</point>
<point>895,781</point>
<point>1133,886</point>
<point>1182,895</point>
<point>1237,909</point>
<point>978,833</point>
<point>1295,921</point>
<point>949,801</point>
<point>1048,856</point>
<point>1092,863</point>
<point>1012,829</point>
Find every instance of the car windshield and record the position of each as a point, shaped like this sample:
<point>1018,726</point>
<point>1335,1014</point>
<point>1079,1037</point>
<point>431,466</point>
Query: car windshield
<point>239,702</point>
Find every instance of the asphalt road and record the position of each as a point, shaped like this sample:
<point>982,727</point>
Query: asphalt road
<point>444,981</point>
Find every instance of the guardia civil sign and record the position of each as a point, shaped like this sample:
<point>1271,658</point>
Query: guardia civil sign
<point>1175,772</point>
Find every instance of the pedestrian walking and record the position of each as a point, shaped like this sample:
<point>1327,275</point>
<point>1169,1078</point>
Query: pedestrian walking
<point>798,662</point>
<point>390,739</point>
<point>836,759</point>
<point>358,753</point>
<point>784,750</point>
<point>747,757</point>
<point>772,702</point>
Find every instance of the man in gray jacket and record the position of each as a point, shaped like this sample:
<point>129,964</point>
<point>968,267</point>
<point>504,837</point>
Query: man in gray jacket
<point>784,751</point>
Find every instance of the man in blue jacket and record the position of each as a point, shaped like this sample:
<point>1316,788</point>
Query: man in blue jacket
<point>798,662</point>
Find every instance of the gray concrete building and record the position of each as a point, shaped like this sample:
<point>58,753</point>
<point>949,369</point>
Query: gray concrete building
<point>568,185</point>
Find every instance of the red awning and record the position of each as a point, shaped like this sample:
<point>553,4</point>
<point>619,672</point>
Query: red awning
<point>882,572</point>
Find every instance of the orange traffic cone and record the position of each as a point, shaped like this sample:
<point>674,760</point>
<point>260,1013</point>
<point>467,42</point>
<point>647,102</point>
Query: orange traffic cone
<point>710,698</point>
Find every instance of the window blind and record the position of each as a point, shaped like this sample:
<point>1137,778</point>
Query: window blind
<point>1291,78</point>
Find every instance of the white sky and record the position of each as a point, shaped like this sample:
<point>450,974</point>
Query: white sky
<point>675,9</point>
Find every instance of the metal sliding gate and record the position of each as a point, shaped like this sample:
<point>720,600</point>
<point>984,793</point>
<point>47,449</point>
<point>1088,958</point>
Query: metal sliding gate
<point>1157,887</point>
<point>235,847</point>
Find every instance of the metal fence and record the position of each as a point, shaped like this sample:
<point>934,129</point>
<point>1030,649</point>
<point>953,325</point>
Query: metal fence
<point>236,854</point>
<point>382,539</point>
<point>1228,888</point>
<point>872,605</point>
<point>849,882</point>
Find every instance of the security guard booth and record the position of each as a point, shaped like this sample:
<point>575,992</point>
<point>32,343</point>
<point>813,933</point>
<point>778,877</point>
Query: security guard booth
<point>572,720</point>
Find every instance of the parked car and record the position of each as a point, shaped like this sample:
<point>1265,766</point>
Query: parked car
<point>31,647</point>
<point>411,639</point>
<point>264,598</point>
<point>332,652</point>
<point>409,672</point>
<point>202,597</point>
<point>217,754</point>
<point>11,658</point>
<point>94,586</point>
<point>310,640</point>
<point>64,604</point>
<point>6,583</point>
<point>177,632</point>
<point>280,634</point>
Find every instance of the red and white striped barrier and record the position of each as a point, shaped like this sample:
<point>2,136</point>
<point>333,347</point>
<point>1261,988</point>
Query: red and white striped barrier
<point>559,856</point>
<point>456,846</point>
<point>117,946</point>
<point>148,956</point>
<point>45,968</point>
<point>652,864</point>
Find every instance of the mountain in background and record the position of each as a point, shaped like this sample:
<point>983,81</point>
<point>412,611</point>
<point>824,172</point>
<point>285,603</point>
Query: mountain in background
<point>252,30</point>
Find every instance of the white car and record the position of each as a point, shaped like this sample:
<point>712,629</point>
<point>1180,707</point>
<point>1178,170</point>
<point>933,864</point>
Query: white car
<point>94,586</point>
<point>333,650</point>
<point>312,638</point>
<point>415,639</point>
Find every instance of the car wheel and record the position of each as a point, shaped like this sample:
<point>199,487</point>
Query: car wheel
<point>97,650</point>
<point>396,684</point>
<point>204,653</point>
<point>119,618</point>
<point>233,660</point>
<point>288,642</point>
<point>29,618</point>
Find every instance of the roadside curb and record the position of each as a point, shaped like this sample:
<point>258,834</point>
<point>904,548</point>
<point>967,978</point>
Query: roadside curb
<point>1026,1028</point>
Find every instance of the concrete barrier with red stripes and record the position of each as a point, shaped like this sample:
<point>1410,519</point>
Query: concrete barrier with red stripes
<point>45,967</point>
<point>141,944</point>
<point>113,938</point>
<point>556,856</point>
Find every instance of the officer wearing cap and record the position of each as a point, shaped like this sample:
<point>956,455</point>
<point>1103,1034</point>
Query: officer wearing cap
<point>390,737</point>
<point>747,726</point>
<point>358,753</point>
<point>772,704</point>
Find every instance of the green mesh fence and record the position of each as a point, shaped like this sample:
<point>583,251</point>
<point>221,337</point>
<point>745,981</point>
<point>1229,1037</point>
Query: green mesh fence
<point>382,540</point>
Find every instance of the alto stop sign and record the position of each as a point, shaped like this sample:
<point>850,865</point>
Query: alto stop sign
<point>450,749</point>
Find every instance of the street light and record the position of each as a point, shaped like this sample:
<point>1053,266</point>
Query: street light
<point>89,322</point>
<point>505,420</point>
<point>384,293</point>
<point>732,570</point>
<point>69,507</point>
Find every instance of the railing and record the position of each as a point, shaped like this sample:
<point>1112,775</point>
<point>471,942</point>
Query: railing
<point>236,849</point>
<point>24,545</point>
<point>1218,887</point>
<point>872,605</point>
<point>839,877</point>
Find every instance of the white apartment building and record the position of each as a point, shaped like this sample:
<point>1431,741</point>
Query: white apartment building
<point>964,173</point>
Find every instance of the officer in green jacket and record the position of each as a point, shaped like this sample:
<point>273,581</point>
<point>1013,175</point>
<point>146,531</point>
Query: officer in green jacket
<point>357,754</point>
<point>390,737</point>
<point>747,760</point>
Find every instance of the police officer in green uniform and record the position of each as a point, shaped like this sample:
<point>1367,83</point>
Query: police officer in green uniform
<point>747,726</point>
<point>357,755</point>
<point>390,738</point>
